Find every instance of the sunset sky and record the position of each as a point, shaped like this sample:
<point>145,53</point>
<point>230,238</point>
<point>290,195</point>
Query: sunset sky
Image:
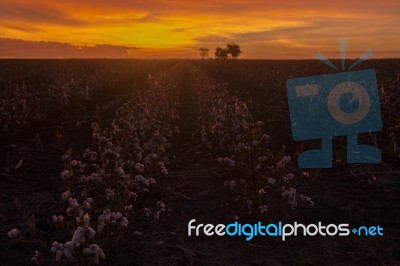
<point>177,29</point>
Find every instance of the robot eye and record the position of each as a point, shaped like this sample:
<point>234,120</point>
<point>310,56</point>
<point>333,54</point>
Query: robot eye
<point>349,102</point>
<point>307,90</point>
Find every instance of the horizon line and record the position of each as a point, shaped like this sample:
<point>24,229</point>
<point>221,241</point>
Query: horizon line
<point>124,58</point>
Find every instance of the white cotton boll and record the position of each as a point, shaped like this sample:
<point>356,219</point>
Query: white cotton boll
<point>139,156</point>
<point>88,204</point>
<point>161,204</point>
<point>306,175</point>
<point>13,233</point>
<point>64,158</point>
<point>271,181</point>
<point>36,257</point>
<point>68,245</point>
<point>256,143</point>
<point>86,220</point>
<point>95,251</point>
<point>120,172</point>
<point>262,159</point>
<point>290,176</point>
<point>260,123</point>
<point>132,195</point>
<point>67,253</point>
<point>65,175</point>
<point>261,192</point>
<point>83,168</point>
<point>147,212</point>
<point>229,162</point>
<point>124,222</point>
<point>57,219</point>
<point>263,209</point>
<point>232,185</point>
<point>75,163</point>
<point>164,171</point>
<point>91,232</point>
<point>249,203</point>
<point>286,160</point>
<point>146,182</point>
<point>118,216</point>
<point>109,193</point>
<point>78,237</point>
<point>152,181</point>
<point>54,245</point>
<point>59,254</point>
<point>109,144</point>
<point>139,167</point>
<point>139,178</point>
<point>87,251</point>
<point>96,136</point>
<point>100,226</point>
<point>72,202</point>
<point>310,202</point>
<point>137,233</point>
<point>265,137</point>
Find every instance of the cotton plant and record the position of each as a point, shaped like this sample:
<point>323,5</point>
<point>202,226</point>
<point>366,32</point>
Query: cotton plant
<point>115,174</point>
<point>24,101</point>
<point>227,128</point>
<point>14,233</point>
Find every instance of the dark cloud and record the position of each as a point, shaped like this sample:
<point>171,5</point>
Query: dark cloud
<point>13,48</point>
<point>24,27</point>
<point>36,14</point>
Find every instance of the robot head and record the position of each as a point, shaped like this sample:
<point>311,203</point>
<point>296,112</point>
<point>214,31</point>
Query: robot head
<point>339,104</point>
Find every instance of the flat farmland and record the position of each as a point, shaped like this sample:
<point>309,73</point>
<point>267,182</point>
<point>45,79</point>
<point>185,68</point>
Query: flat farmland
<point>106,162</point>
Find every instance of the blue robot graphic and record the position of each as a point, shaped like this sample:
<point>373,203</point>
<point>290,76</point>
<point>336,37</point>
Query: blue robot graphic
<point>341,104</point>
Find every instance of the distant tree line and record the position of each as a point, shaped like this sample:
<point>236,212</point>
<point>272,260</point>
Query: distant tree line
<point>231,51</point>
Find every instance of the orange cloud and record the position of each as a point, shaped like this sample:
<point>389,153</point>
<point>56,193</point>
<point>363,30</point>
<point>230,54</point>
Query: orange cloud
<point>176,29</point>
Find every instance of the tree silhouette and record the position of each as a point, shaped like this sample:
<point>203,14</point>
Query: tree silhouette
<point>204,53</point>
<point>233,50</point>
<point>221,53</point>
